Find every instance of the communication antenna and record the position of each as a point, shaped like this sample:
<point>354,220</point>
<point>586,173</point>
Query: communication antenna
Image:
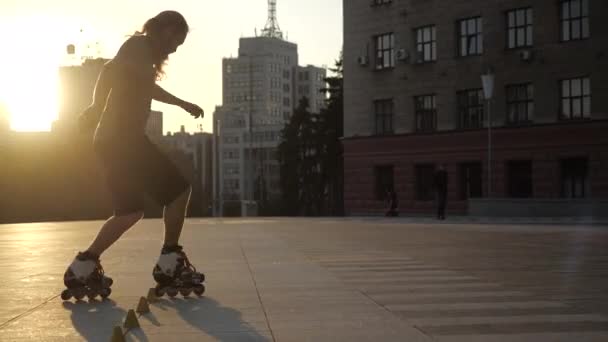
<point>272,29</point>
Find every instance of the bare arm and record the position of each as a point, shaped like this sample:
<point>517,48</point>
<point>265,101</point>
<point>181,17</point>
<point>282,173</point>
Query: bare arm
<point>161,95</point>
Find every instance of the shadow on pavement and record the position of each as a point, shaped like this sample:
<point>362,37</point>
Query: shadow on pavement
<point>95,320</point>
<point>210,317</point>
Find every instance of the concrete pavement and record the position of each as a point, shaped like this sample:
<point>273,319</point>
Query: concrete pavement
<point>368,279</point>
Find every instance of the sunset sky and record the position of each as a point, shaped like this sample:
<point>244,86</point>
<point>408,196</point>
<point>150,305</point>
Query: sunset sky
<point>34,34</point>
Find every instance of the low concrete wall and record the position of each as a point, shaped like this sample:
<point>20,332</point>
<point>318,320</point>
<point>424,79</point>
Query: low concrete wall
<point>512,207</point>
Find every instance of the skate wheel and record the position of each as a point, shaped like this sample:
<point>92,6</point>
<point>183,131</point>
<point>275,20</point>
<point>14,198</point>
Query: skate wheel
<point>91,294</point>
<point>66,294</point>
<point>185,292</point>
<point>199,289</point>
<point>107,282</point>
<point>172,292</point>
<point>79,293</point>
<point>198,278</point>
<point>159,292</point>
<point>105,292</point>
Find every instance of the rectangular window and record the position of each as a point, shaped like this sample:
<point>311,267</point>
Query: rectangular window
<point>385,51</point>
<point>470,180</point>
<point>383,113</point>
<point>519,177</point>
<point>384,175</point>
<point>574,180</point>
<point>426,44</point>
<point>424,182</point>
<point>231,154</point>
<point>426,113</point>
<point>574,20</point>
<point>519,28</point>
<point>471,37</point>
<point>470,108</point>
<point>575,98</point>
<point>520,103</point>
<point>381,2</point>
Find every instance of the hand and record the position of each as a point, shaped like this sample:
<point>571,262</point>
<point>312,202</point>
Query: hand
<point>193,109</point>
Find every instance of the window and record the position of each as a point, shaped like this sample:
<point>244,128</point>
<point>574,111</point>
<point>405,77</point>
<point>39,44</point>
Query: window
<point>519,28</point>
<point>470,180</point>
<point>231,140</point>
<point>426,113</point>
<point>424,182</point>
<point>574,178</point>
<point>385,51</point>
<point>384,116</point>
<point>231,154</point>
<point>574,20</point>
<point>231,169</point>
<point>384,175</point>
<point>576,98</point>
<point>426,45</point>
<point>471,37</point>
<point>520,103</point>
<point>231,185</point>
<point>381,2</point>
<point>519,179</point>
<point>286,102</point>
<point>286,74</point>
<point>470,108</point>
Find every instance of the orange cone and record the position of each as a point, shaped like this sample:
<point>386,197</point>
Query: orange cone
<point>143,307</point>
<point>117,335</point>
<point>131,321</point>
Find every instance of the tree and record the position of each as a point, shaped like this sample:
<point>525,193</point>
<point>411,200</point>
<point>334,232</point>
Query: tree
<point>310,155</point>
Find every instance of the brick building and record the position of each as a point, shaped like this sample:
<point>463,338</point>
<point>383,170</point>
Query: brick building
<point>414,100</point>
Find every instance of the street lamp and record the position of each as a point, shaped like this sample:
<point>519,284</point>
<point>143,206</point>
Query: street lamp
<point>487,81</point>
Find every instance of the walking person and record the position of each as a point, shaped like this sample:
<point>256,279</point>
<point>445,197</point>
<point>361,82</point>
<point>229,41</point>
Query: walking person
<point>440,180</point>
<point>132,165</point>
<point>393,203</point>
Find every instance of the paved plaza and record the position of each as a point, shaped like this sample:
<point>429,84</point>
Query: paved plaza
<point>353,279</point>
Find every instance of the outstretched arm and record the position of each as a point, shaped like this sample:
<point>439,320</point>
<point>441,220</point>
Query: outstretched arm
<point>159,94</point>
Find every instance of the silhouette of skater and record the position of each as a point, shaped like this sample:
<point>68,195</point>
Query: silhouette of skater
<point>133,166</point>
<point>393,203</point>
<point>441,187</point>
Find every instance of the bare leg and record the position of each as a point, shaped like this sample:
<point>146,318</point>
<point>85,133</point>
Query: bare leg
<point>174,215</point>
<point>112,230</point>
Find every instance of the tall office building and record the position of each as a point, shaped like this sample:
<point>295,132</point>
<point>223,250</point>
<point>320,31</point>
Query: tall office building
<point>261,88</point>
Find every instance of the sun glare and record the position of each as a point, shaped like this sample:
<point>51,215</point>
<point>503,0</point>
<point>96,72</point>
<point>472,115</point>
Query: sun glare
<point>28,86</point>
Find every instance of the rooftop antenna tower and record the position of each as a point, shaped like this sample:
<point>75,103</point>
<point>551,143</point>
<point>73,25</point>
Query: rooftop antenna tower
<point>272,29</point>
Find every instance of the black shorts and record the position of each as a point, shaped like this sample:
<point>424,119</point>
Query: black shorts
<point>137,168</point>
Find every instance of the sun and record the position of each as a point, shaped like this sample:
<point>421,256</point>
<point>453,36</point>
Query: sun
<point>29,81</point>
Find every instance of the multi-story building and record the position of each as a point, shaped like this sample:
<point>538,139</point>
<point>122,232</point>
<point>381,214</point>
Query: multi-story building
<point>414,99</point>
<point>198,151</point>
<point>76,86</point>
<point>261,88</point>
<point>154,125</point>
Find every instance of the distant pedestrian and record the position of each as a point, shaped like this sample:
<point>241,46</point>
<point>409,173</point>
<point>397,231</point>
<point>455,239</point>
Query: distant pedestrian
<point>441,189</point>
<point>393,203</point>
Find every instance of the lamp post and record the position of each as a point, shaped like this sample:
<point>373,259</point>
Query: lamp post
<point>487,81</point>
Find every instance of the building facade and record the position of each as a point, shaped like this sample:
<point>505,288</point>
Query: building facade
<point>261,88</point>
<point>195,160</point>
<point>76,87</point>
<point>414,99</point>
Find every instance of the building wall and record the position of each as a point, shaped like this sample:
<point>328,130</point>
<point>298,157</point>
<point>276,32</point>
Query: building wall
<point>76,86</point>
<point>545,141</point>
<point>545,146</point>
<point>552,60</point>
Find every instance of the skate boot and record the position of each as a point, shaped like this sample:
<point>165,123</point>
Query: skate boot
<point>85,277</point>
<point>174,273</point>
